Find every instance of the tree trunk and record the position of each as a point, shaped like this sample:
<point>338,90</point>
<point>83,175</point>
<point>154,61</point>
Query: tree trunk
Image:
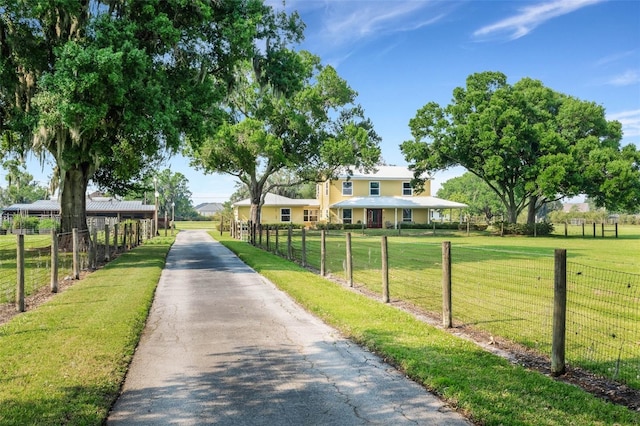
<point>73,204</point>
<point>531,212</point>
<point>512,214</point>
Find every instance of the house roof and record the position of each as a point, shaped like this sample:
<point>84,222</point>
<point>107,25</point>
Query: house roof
<point>95,205</point>
<point>398,202</point>
<point>209,207</point>
<point>279,200</point>
<point>382,173</point>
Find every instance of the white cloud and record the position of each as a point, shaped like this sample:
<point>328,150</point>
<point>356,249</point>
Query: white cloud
<point>530,17</point>
<point>346,22</point>
<point>630,121</point>
<point>625,79</point>
<point>613,58</point>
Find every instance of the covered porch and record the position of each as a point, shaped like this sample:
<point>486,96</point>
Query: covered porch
<point>378,212</point>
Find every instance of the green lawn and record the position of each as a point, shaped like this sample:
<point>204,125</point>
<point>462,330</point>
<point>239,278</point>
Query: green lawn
<point>37,265</point>
<point>504,285</point>
<point>64,362</point>
<point>485,387</point>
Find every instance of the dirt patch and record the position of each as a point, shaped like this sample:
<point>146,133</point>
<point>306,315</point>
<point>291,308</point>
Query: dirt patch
<point>42,295</point>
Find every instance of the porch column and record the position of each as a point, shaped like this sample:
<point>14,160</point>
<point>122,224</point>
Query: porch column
<point>395,216</point>
<point>364,216</point>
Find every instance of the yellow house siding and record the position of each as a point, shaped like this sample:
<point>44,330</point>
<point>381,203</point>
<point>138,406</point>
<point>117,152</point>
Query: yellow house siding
<point>361,188</point>
<point>273,214</point>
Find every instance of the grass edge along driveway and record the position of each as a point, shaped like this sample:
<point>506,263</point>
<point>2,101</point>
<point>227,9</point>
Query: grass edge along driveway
<point>64,362</point>
<point>486,388</point>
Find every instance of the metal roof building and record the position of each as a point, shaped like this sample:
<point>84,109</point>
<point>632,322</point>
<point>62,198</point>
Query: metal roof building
<point>96,207</point>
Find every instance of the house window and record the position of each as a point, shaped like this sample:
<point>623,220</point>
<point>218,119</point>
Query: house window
<point>347,188</point>
<point>285,215</point>
<point>347,215</point>
<point>326,188</point>
<point>374,188</point>
<point>310,215</point>
<point>407,215</point>
<point>406,188</point>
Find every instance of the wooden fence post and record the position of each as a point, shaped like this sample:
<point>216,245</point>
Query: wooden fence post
<point>616,229</point>
<point>268,245</point>
<point>76,254</point>
<point>385,270</point>
<point>349,261</point>
<point>566,230</point>
<point>559,313</point>
<point>115,238</point>
<point>289,245</point>
<point>20,272</point>
<point>323,253</point>
<point>94,248</point>
<point>260,234</point>
<point>304,248</point>
<point>54,261</point>
<point>107,249</point>
<point>447,316</point>
<point>594,229</point>
<point>277,238</point>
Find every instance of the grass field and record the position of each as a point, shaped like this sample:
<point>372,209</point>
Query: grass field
<point>64,362</point>
<point>485,387</point>
<point>504,286</point>
<point>37,264</point>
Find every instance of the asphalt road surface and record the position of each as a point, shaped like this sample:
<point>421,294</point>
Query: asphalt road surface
<point>223,346</point>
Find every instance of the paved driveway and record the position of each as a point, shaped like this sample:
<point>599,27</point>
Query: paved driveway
<point>224,346</point>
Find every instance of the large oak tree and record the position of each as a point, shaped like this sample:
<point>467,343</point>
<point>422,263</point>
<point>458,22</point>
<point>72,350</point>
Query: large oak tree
<point>306,123</point>
<point>107,87</point>
<point>530,144</point>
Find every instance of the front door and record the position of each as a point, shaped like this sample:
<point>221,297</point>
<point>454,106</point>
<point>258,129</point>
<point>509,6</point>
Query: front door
<point>374,218</point>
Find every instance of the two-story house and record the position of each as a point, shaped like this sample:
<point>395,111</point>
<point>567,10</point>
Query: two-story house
<point>378,199</point>
<point>384,197</point>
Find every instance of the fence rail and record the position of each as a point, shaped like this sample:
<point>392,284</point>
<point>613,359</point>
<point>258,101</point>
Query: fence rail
<point>508,293</point>
<point>29,262</point>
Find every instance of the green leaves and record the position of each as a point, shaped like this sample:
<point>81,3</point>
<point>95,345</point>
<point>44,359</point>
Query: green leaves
<point>289,114</point>
<point>526,142</point>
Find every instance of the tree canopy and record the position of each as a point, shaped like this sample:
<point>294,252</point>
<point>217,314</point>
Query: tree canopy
<point>107,87</point>
<point>474,192</point>
<point>21,188</point>
<point>305,124</point>
<point>530,144</point>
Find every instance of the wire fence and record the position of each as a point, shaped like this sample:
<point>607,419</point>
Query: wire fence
<point>95,246</point>
<point>508,293</point>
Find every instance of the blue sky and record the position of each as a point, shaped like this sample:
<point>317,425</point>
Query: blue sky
<point>399,55</point>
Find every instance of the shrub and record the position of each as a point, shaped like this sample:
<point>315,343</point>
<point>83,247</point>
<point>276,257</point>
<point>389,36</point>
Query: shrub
<point>25,222</point>
<point>353,226</point>
<point>542,228</point>
<point>48,224</point>
<point>281,225</point>
<point>329,226</point>
<point>473,226</point>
